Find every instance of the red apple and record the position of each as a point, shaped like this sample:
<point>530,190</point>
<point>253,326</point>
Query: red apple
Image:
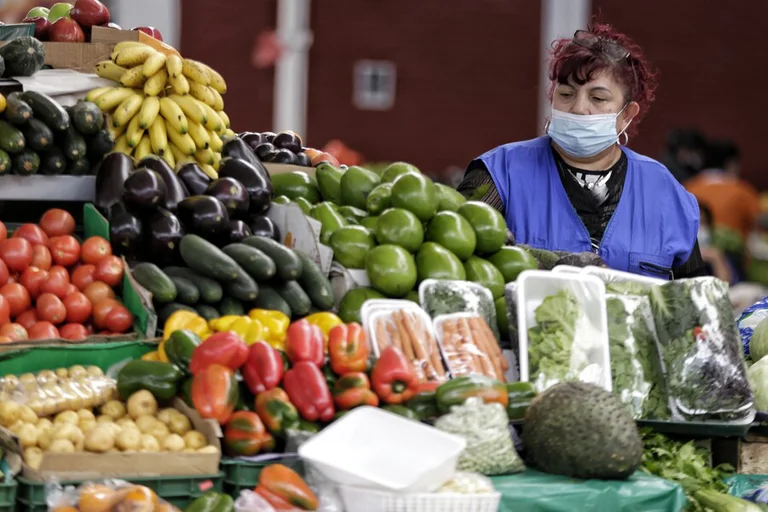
<point>42,27</point>
<point>89,13</point>
<point>152,31</point>
<point>66,30</point>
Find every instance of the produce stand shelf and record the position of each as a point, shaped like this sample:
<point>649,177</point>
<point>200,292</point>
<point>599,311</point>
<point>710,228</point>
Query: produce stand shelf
<point>48,188</point>
<point>103,355</point>
<point>8,495</point>
<point>240,474</point>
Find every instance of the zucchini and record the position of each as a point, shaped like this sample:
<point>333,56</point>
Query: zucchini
<point>243,288</point>
<point>79,167</point>
<point>287,262</point>
<point>210,290</point>
<point>186,291</point>
<point>74,144</point>
<point>294,295</point>
<point>230,306</point>
<point>11,138</point>
<point>207,259</point>
<point>37,135</point>
<point>99,144</point>
<point>316,285</point>
<point>256,263</point>
<point>52,161</point>
<point>47,110</point>
<point>168,309</point>
<point>5,163</point>
<point>269,299</point>
<point>17,111</point>
<point>153,279</point>
<point>25,163</point>
<point>87,117</point>
<point>207,311</point>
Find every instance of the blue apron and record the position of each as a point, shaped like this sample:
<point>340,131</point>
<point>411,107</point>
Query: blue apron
<point>653,229</point>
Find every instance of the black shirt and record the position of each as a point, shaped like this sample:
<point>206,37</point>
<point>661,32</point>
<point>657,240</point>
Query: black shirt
<point>594,213</point>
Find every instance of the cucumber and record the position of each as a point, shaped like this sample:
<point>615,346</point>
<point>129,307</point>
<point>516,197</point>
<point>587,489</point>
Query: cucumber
<point>5,163</point>
<point>315,284</point>
<point>287,262</point>
<point>153,279</point>
<point>47,110</point>
<point>74,144</point>
<point>269,299</point>
<point>168,309</point>
<point>243,288</point>
<point>37,135</point>
<point>52,162</point>
<point>230,306</point>
<point>207,259</point>
<point>256,263</point>
<point>297,299</point>
<point>25,163</point>
<point>17,111</point>
<point>11,138</point>
<point>79,167</point>
<point>207,311</point>
<point>210,290</point>
<point>186,291</point>
<point>87,117</point>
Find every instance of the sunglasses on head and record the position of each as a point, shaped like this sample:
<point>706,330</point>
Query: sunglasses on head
<point>612,50</point>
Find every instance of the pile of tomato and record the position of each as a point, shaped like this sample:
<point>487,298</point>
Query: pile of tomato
<point>53,286</point>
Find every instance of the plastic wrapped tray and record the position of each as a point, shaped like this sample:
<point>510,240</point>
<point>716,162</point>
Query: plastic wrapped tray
<point>468,346</point>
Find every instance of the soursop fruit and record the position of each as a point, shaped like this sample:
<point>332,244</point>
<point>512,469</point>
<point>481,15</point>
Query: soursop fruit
<point>582,431</point>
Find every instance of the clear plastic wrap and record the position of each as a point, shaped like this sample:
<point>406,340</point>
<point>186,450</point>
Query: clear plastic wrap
<point>510,295</point>
<point>701,350</point>
<point>469,347</point>
<point>249,501</point>
<point>485,427</point>
<point>750,319</point>
<point>468,483</point>
<point>116,495</point>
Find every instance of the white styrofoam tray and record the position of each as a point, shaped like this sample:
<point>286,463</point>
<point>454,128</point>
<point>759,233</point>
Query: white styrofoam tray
<point>371,308</point>
<point>608,275</point>
<point>567,269</point>
<point>591,331</point>
<point>373,448</point>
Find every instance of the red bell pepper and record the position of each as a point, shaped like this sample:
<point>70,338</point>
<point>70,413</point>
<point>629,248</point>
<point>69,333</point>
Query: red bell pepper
<point>352,390</point>
<point>264,368</point>
<point>222,348</point>
<point>308,391</point>
<point>245,435</point>
<point>305,342</point>
<point>276,411</point>
<point>426,387</point>
<point>284,489</point>
<point>215,393</point>
<point>393,378</point>
<point>348,349</point>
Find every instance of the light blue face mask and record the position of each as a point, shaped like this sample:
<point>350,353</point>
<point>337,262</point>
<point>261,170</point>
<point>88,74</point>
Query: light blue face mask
<point>583,136</point>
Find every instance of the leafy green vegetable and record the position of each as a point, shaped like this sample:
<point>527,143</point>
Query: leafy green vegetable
<point>444,297</point>
<point>626,288</point>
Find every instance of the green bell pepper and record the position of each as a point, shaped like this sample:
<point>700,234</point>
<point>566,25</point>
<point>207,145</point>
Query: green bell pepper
<point>330,377</point>
<point>276,411</point>
<point>520,395</point>
<point>339,414</point>
<point>245,399</point>
<point>458,390</point>
<point>308,426</point>
<point>424,405</point>
<point>402,410</point>
<point>286,361</point>
<point>179,348</point>
<point>160,379</point>
<point>185,391</point>
<point>212,502</point>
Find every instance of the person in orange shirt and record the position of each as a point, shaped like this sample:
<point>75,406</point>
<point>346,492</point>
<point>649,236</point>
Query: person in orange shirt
<point>734,203</point>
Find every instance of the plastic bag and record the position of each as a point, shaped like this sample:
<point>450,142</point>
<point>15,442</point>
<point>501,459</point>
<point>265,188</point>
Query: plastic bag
<point>106,495</point>
<point>751,318</point>
<point>249,501</point>
<point>510,295</point>
<point>700,346</point>
<point>489,446</point>
<point>468,483</point>
<point>469,347</point>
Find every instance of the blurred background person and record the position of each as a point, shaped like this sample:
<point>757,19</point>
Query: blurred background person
<point>715,261</point>
<point>684,154</point>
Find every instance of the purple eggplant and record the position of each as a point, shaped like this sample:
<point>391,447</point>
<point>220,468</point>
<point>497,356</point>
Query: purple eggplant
<point>176,191</point>
<point>205,216</point>
<point>125,230</point>
<point>164,232</point>
<point>194,179</point>
<point>238,231</point>
<point>256,182</point>
<point>261,225</point>
<point>233,195</point>
<point>145,190</point>
<point>110,179</point>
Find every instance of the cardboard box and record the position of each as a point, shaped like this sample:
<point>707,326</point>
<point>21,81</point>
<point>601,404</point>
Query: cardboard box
<point>301,233</point>
<point>111,36</point>
<point>78,56</point>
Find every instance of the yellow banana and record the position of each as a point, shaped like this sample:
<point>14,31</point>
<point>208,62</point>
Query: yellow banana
<point>217,81</point>
<point>114,131</point>
<point>216,142</point>
<point>184,142</point>
<point>218,101</point>
<point>178,156</point>
<point>95,94</point>
<point>110,99</point>
<point>195,71</point>
<point>167,154</point>
<point>134,56</point>
<point>133,133</point>
<point>229,134</point>
<point>224,118</point>
<point>179,84</point>
<point>150,109</point>
<point>156,83</point>
<point>143,149</point>
<point>109,70</point>
<point>124,45</point>
<point>199,135</point>
<point>202,93</point>
<point>191,108</point>
<point>127,109</point>
<point>210,171</point>
<point>216,160</point>
<point>174,115</point>
<point>153,64</point>
<point>133,78</point>
<point>205,156</point>
<point>158,137</point>
<point>174,66</point>
<point>121,145</point>
<point>212,119</point>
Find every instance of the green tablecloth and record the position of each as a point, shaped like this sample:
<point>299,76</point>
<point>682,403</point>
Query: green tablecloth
<point>533,491</point>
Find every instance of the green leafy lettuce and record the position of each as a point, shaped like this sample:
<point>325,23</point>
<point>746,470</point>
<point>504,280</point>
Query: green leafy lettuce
<point>551,340</point>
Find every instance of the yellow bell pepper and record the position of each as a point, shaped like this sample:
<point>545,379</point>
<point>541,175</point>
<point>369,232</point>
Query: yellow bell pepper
<point>161,354</point>
<point>275,325</point>
<point>325,321</point>
<point>223,323</point>
<point>151,356</point>
<point>186,320</point>
<point>249,330</point>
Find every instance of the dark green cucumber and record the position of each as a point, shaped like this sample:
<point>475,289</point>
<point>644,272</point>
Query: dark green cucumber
<point>99,144</point>
<point>87,117</point>
<point>186,291</point>
<point>207,311</point>
<point>316,285</point>
<point>17,111</point>
<point>230,306</point>
<point>52,161</point>
<point>269,299</point>
<point>47,110</point>
<point>5,163</point>
<point>155,281</point>
<point>207,259</point>
<point>210,290</point>
<point>295,296</point>
<point>37,135</point>
<point>287,262</point>
<point>74,144</point>
<point>243,288</point>
<point>25,163</point>
<point>79,167</point>
<point>11,138</point>
<point>258,265</point>
<point>168,309</point>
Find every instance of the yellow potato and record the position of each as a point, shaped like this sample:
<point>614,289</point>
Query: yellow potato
<point>160,431</point>
<point>128,439</point>
<point>165,415</point>
<point>62,373</point>
<point>195,440</point>
<point>62,446</point>
<point>45,439</point>
<point>44,424</point>
<point>114,409</point>
<point>95,371</point>
<point>149,443</point>
<point>77,371</point>
<point>173,443</point>
<point>27,415</point>
<point>105,419</point>
<point>142,403</point>
<point>28,435</point>
<point>88,425</point>
<point>146,424</point>
<point>208,449</point>
<point>33,457</point>
<point>10,413</point>
<point>179,424</point>
<point>85,415</point>
<point>100,439</point>
<point>67,417</point>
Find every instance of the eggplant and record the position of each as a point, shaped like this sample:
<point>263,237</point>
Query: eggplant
<point>125,230</point>
<point>237,148</point>
<point>194,179</point>
<point>204,216</point>
<point>164,232</point>
<point>257,183</point>
<point>261,225</point>
<point>268,136</point>
<point>110,179</point>
<point>176,191</point>
<point>285,156</point>
<point>238,231</point>
<point>233,195</point>
<point>145,189</point>
<point>263,149</point>
<point>288,140</point>
<point>303,160</point>
<point>243,134</point>
<point>252,139</point>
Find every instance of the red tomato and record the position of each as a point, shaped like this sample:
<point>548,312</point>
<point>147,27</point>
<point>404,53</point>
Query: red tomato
<point>5,311</point>
<point>32,279</point>
<point>78,307</point>
<point>110,270</point>
<point>5,339</point>
<point>14,331</point>
<point>41,257</point>
<point>95,249</point>
<point>57,282</point>
<point>71,289</point>
<point>28,318</point>
<point>73,332</point>
<point>32,233</point>
<point>119,319</point>
<point>98,291</point>
<point>4,274</point>
<point>17,297</point>
<point>57,222</point>
<point>101,310</point>
<point>3,232</point>
<point>65,250</point>
<point>82,276</point>
<point>43,331</point>
<point>50,308</point>
<point>17,253</point>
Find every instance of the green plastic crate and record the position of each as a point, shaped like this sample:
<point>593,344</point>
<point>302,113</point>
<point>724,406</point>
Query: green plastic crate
<point>176,490</point>
<point>244,474</point>
<point>103,355</point>
<point>8,495</point>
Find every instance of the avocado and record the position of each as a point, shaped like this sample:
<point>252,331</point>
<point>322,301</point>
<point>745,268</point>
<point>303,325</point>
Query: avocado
<point>391,270</point>
<point>448,198</point>
<point>352,214</point>
<point>295,184</point>
<point>350,244</point>
<point>349,307</point>
<point>356,184</point>
<point>329,182</point>
<point>512,260</point>
<point>370,223</point>
<point>400,227</point>
<point>453,232</point>
<point>397,169</point>
<point>379,199</point>
<point>483,272</point>
<point>329,218</point>
<point>433,261</point>
<point>489,225</point>
<point>417,194</point>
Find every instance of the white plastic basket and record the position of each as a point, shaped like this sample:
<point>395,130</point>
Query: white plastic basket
<point>358,499</point>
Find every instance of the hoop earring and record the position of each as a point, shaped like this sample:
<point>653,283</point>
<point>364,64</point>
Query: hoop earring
<point>626,139</point>
<point>546,126</point>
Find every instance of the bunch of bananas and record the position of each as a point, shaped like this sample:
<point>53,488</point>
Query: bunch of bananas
<point>166,105</point>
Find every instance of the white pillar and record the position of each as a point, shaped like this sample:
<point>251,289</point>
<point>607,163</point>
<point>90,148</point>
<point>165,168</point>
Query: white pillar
<point>292,69</point>
<point>559,18</point>
<point>164,15</point>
